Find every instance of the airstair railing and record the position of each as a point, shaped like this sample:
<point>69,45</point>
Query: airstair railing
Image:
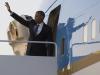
<point>39,42</point>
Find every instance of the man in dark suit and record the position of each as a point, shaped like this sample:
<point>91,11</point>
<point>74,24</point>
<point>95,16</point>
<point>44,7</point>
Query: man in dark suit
<point>39,31</point>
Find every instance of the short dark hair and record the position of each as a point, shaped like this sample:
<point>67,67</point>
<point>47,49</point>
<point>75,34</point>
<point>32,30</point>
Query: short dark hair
<point>42,13</point>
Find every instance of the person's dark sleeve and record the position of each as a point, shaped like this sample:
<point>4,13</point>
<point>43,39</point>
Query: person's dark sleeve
<point>20,19</point>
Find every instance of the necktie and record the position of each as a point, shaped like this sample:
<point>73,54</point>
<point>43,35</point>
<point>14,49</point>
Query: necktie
<point>36,29</point>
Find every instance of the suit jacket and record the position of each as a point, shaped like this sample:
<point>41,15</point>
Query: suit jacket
<point>34,49</point>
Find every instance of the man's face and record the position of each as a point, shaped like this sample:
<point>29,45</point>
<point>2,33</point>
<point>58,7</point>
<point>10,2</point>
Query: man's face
<point>38,17</point>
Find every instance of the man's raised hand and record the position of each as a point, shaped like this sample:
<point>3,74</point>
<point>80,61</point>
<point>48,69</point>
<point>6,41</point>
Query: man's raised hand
<point>8,7</point>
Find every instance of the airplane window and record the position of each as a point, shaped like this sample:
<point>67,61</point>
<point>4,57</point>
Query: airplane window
<point>94,29</point>
<point>85,33</point>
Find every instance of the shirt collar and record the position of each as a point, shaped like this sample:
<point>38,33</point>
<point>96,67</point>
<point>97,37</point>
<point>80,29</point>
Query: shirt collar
<point>40,23</point>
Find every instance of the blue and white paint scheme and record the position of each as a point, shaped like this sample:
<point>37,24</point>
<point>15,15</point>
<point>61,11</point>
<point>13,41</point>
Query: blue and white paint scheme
<point>79,40</point>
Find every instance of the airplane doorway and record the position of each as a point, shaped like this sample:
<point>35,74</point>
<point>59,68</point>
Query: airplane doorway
<point>52,22</point>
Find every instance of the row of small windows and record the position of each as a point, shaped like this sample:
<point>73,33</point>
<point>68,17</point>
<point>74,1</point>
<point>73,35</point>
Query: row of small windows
<point>93,35</point>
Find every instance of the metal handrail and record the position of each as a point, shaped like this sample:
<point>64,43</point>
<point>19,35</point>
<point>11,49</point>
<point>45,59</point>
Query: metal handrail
<point>42,42</point>
<point>83,43</point>
<point>75,44</point>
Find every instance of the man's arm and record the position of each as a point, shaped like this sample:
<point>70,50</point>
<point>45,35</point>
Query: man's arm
<point>15,16</point>
<point>20,19</point>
